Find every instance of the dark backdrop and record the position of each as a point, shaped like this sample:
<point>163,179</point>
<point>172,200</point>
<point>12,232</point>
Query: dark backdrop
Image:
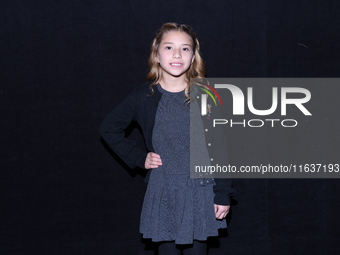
<point>66,64</point>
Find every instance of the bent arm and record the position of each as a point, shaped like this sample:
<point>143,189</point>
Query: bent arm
<point>112,131</point>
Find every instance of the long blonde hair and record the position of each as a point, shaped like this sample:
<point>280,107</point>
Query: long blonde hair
<point>197,68</point>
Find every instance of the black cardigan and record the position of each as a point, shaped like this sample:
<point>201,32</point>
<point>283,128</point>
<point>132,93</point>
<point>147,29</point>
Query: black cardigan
<point>141,105</point>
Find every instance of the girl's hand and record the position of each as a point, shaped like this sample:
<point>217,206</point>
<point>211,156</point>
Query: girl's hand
<point>153,160</point>
<point>221,211</point>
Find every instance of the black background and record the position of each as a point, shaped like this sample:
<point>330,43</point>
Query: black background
<point>66,64</point>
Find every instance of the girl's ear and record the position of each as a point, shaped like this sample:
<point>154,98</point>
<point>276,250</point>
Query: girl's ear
<point>193,58</point>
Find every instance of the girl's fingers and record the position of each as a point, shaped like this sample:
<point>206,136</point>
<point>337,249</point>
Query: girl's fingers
<point>153,160</point>
<point>221,211</point>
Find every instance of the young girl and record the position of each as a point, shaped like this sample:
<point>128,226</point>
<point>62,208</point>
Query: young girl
<point>179,212</point>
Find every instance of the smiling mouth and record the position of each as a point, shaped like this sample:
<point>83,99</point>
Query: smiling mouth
<point>176,64</point>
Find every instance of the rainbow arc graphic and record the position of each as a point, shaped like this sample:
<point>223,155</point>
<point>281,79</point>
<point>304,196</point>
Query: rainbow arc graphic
<point>211,92</point>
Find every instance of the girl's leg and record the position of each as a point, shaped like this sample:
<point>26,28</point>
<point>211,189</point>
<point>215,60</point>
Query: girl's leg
<point>168,248</point>
<point>198,248</point>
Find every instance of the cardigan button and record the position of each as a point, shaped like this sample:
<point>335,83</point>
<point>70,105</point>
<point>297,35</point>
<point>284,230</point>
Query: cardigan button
<point>198,97</point>
<point>206,130</point>
<point>211,159</point>
<point>209,144</point>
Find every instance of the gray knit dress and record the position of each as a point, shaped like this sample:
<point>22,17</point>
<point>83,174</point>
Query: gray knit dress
<point>176,207</point>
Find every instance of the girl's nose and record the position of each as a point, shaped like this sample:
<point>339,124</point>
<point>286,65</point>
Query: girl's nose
<point>177,54</point>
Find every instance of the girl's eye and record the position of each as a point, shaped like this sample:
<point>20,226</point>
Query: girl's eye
<point>186,49</point>
<point>168,47</point>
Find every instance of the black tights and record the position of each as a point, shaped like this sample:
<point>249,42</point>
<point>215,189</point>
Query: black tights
<point>170,248</point>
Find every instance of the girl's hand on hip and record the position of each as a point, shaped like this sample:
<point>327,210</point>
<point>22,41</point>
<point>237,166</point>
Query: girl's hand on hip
<point>221,211</point>
<point>153,160</point>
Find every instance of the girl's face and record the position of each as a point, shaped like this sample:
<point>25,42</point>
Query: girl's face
<point>175,54</point>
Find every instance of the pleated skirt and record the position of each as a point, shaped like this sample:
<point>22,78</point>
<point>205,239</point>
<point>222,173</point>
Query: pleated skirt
<point>177,208</point>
